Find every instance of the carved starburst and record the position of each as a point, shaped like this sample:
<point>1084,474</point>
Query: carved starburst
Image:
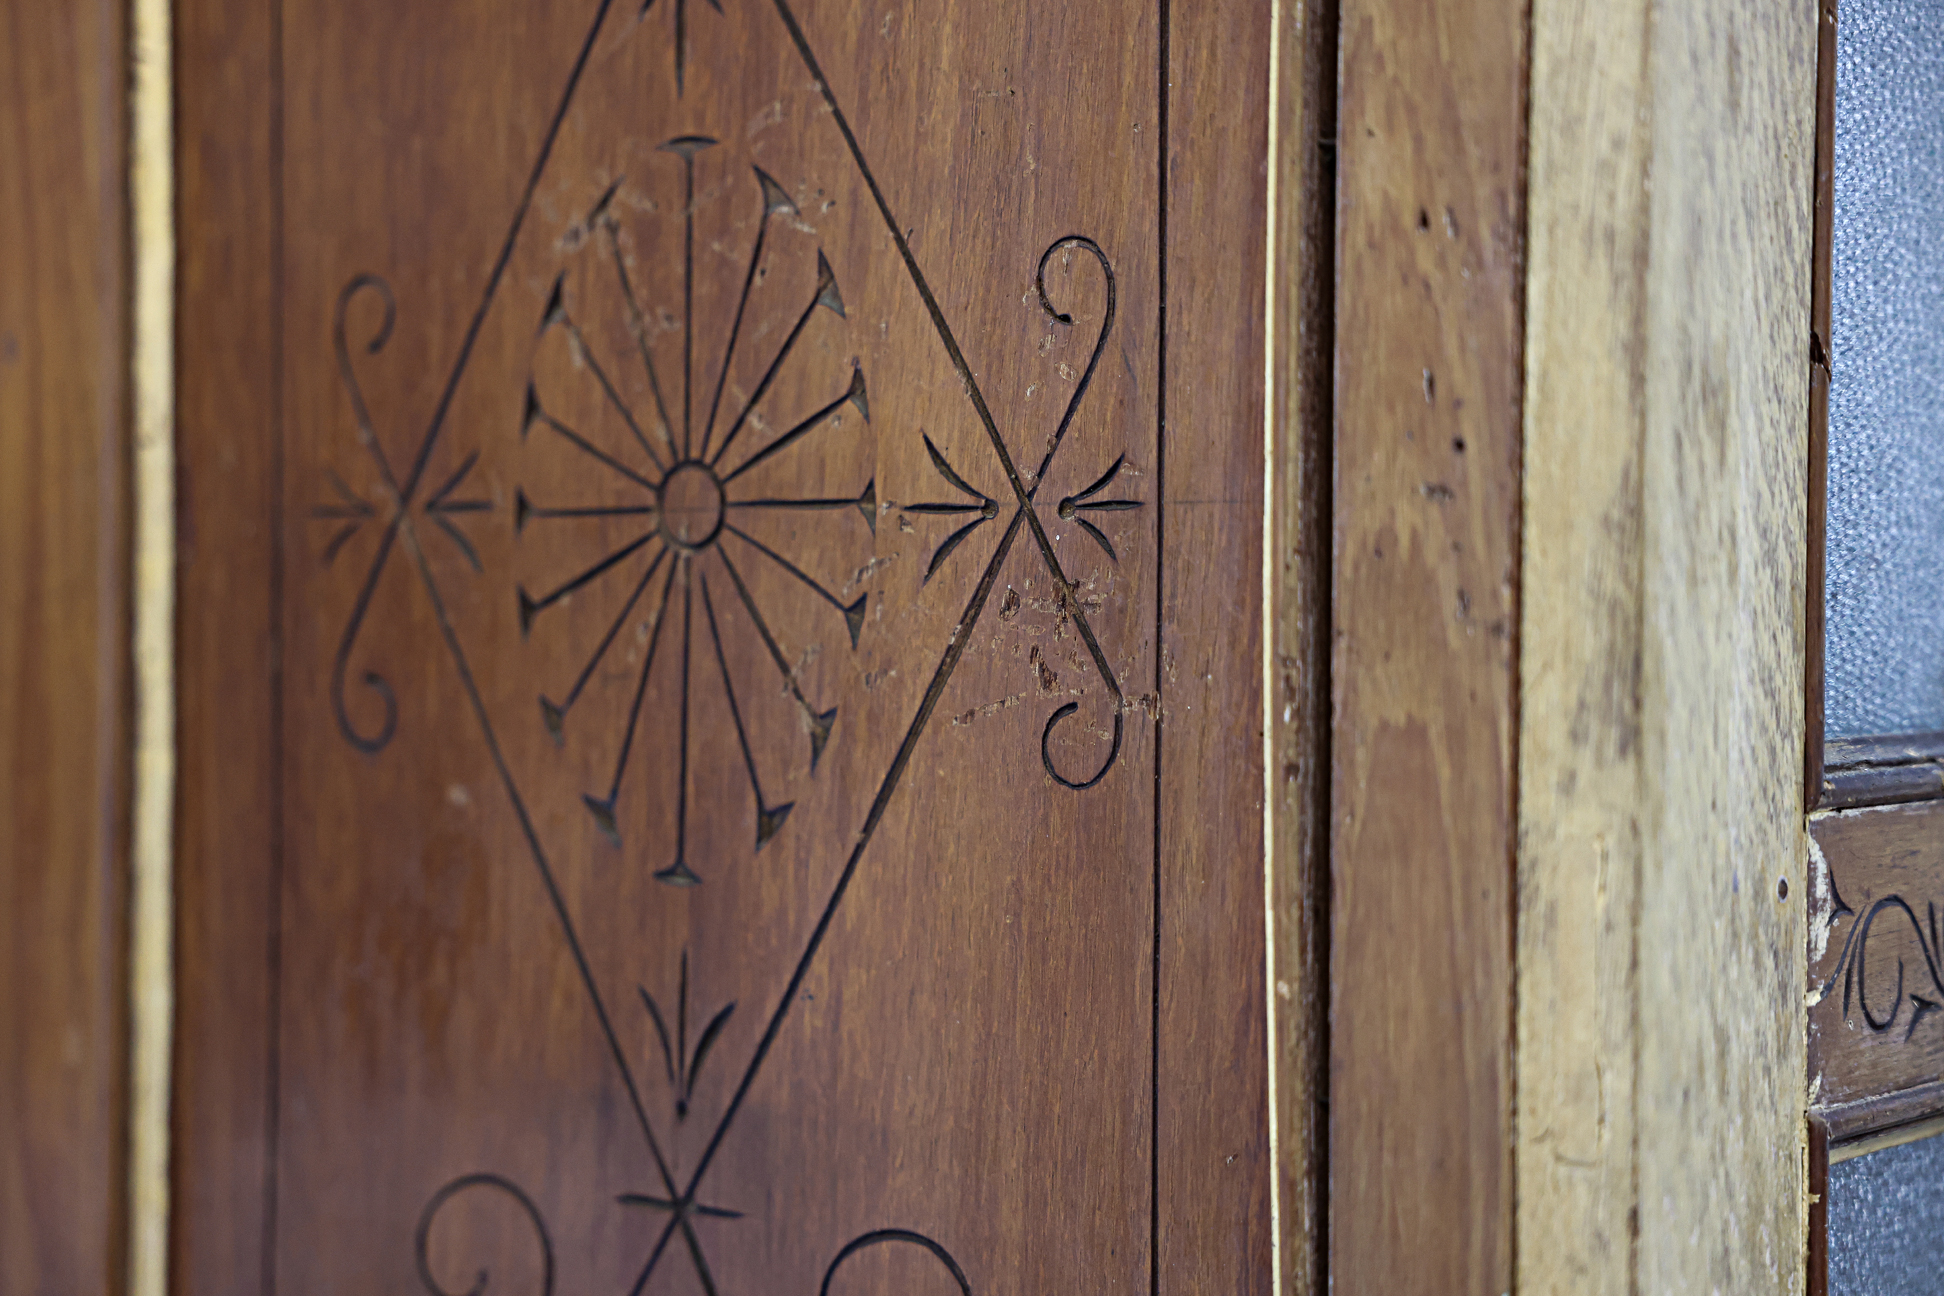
<point>687,557</point>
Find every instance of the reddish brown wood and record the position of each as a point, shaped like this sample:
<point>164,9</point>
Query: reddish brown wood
<point>229,796</point>
<point>64,688</point>
<point>1428,346</point>
<point>943,963</point>
<point>1213,1209</point>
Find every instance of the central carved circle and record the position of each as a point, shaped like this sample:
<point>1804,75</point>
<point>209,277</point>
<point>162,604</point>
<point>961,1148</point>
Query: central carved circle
<point>691,505</point>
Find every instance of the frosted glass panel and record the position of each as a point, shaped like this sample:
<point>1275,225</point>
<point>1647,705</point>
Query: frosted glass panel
<point>1884,1210</point>
<point>1885,646</point>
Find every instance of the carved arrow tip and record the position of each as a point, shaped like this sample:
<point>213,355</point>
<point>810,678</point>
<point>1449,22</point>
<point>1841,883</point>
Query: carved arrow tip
<point>687,145</point>
<point>554,718</point>
<point>678,874</point>
<point>827,295</point>
<point>857,394</point>
<point>533,413</point>
<point>820,726</point>
<point>527,608</point>
<point>603,812</point>
<point>867,504</point>
<point>556,309</point>
<point>521,507</point>
<point>774,198</point>
<point>854,618</point>
<point>769,822</point>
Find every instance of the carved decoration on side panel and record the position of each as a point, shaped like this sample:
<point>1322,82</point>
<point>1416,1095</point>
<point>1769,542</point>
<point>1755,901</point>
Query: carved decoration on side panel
<point>1915,989</point>
<point>688,498</point>
<point>671,497</point>
<point>1876,954</point>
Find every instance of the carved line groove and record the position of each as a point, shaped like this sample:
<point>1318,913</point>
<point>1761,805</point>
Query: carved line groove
<point>421,1239</point>
<point>1852,965</point>
<point>881,1236</point>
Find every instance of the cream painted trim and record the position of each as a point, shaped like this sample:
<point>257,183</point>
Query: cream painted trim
<point>1271,462</point>
<point>151,902</point>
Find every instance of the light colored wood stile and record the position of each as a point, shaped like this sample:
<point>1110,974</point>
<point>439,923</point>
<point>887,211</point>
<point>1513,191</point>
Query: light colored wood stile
<point>1660,969</point>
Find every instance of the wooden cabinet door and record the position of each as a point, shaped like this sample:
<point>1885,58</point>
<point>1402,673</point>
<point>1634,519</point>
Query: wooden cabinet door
<point>721,647</point>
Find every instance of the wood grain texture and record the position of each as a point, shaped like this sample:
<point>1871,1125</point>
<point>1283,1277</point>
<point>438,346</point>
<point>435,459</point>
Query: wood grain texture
<point>228,654</point>
<point>1855,772</point>
<point>452,1008</point>
<point>1214,1158</point>
<point>1296,676</point>
<point>1430,226</point>
<point>1876,1041</point>
<point>1661,726</point>
<point>63,647</point>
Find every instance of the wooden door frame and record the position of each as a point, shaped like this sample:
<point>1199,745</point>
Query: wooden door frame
<point>1876,823</point>
<point>1653,861</point>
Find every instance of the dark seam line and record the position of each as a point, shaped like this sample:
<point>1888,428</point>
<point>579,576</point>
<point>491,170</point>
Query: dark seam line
<point>1160,569</point>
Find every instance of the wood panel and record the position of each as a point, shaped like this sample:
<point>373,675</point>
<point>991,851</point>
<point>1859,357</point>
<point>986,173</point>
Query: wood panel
<point>64,689</point>
<point>1430,227</point>
<point>1214,1158</point>
<point>803,895</point>
<point>228,642</point>
<point>1661,897</point>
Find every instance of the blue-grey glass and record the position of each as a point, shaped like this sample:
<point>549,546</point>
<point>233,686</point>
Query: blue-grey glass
<point>1886,1222</point>
<point>1885,648</point>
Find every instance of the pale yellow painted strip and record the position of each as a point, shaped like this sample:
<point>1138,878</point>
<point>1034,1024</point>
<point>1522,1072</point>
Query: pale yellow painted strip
<point>152,359</point>
<point>1271,463</point>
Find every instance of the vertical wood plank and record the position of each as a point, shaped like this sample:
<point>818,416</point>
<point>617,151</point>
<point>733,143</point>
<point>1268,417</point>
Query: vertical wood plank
<point>228,447</point>
<point>1213,1227</point>
<point>1296,571</point>
<point>1430,224</point>
<point>1581,701</point>
<point>1662,862</point>
<point>63,646</point>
